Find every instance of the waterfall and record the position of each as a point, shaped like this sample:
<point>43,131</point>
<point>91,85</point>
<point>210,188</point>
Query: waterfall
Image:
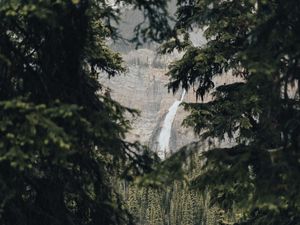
<point>165,133</point>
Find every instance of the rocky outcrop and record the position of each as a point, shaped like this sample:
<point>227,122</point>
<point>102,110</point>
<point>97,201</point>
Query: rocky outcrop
<point>143,88</point>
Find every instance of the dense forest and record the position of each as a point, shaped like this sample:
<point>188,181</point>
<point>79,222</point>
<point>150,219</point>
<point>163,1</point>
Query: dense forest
<point>64,156</point>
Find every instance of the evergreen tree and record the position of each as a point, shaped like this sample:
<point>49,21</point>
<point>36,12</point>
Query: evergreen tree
<point>61,136</point>
<point>257,41</point>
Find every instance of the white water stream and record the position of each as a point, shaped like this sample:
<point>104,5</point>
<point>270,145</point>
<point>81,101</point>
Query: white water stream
<point>165,133</point>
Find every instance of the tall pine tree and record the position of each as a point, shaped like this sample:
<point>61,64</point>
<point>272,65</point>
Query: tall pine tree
<point>259,42</point>
<point>61,136</point>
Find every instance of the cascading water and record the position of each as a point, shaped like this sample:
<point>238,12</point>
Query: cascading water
<point>165,133</point>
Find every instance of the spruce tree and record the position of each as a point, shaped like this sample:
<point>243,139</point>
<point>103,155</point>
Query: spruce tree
<point>61,136</point>
<point>258,42</point>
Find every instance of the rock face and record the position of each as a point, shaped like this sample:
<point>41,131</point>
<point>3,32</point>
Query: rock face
<point>143,88</point>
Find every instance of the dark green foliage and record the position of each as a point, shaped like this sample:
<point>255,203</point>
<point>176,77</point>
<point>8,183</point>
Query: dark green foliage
<point>165,196</point>
<point>258,42</point>
<point>176,204</point>
<point>61,136</point>
<point>51,173</point>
